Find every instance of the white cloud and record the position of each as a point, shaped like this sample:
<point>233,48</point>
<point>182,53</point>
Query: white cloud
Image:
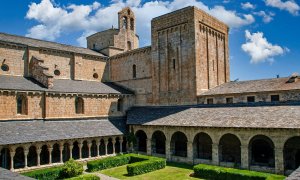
<point>55,20</point>
<point>267,17</point>
<point>247,5</point>
<point>291,6</point>
<point>259,49</point>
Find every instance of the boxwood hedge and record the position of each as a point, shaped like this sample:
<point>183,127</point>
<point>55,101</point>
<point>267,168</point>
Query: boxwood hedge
<point>137,164</point>
<point>45,174</point>
<point>222,173</point>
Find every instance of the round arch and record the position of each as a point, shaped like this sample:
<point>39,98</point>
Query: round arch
<point>19,158</point>
<point>291,153</point>
<point>179,144</point>
<point>32,156</point>
<point>75,150</point>
<point>85,149</point>
<point>158,142</point>
<point>230,149</point>
<point>55,153</point>
<point>202,146</point>
<point>141,140</point>
<point>261,151</point>
<point>5,158</point>
<point>66,152</point>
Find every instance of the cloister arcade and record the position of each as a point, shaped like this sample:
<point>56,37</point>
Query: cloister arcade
<point>33,155</point>
<point>257,150</point>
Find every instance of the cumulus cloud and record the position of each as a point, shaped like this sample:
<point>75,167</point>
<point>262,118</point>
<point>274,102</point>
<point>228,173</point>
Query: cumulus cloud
<point>291,6</point>
<point>54,20</point>
<point>247,5</point>
<point>266,16</point>
<point>259,49</point>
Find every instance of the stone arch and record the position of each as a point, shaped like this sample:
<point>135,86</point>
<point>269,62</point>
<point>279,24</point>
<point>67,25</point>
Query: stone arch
<point>75,150</point>
<point>117,145</point>
<point>66,152</point>
<point>230,149</point>
<point>110,146</point>
<point>131,24</point>
<point>179,144</point>
<point>141,140</point>
<point>32,156</point>
<point>202,145</point>
<point>102,147</point>
<point>291,153</point>
<point>85,149</point>
<point>79,105</point>
<point>261,151</point>
<point>44,156</point>
<point>19,158</point>
<point>55,153</point>
<point>22,104</point>
<point>94,149</point>
<point>5,158</point>
<point>124,144</point>
<point>158,142</point>
<point>134,71</point>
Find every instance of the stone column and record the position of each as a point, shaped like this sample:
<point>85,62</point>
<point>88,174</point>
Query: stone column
<point>114,143</point>
<point>26,151</point>
<point>149,146</point>
<point>215,154</point>
<point>244,157</point>
<point>89,147</point>
<point>106,143</point>
<point>50,149</point>
<point>121,143</point>
<point>38,152</point>
<point>71,149</point>
<point>12,155</point>
<point>80,144</point>
<point>98,147</point>
<point>61,148</point>
<point>190,151</point>
<point>168,149</point>
<point>279,165</point>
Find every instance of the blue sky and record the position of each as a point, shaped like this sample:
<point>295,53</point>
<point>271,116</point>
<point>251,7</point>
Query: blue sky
<point>264,37</point>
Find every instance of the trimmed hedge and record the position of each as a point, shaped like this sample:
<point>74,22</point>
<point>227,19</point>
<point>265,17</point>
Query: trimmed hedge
<point>85,177</point>
<point>109,162</point>
<point>222,173</point>
<point>137,164</point>
<point>45,174</point>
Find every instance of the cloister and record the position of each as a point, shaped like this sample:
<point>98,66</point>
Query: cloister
<point>255,149</point>
<point>19,157</point>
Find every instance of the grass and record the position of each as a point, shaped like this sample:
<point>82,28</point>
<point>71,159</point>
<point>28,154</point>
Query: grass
<point>172,171</point>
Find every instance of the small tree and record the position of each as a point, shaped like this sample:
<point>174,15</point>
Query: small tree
<point>131,139</point>
<point>71,169</point>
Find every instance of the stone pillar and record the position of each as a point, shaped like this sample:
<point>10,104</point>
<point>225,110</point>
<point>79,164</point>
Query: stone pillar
<point>168,149</point>
<point>106,143</point>
<point>12,155</point>
<point>149,146</point>
<point>98,145</point>
<point>80,149</point>
<point>38,152</point>
<point>244,157</point>
<point>190,151</point>
<point>89,147</point>
<point>215,154</point>
<point>121,143</point>
<point>114,143</point>
<point>279,165</point>
<point>26,151</point>
<point>61,148</point>
<point>71,149</point>
<point>50,149</point>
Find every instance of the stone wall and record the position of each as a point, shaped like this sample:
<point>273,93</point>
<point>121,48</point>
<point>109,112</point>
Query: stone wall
<point>14,57</point>
<point>8,106</point>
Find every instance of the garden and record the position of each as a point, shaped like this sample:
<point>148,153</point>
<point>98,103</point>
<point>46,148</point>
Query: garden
<point>136,166</point>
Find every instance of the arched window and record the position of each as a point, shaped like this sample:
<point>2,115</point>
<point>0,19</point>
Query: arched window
<point>134,71</point>
<point>129,45</point>
<point>79,105</point>
<point>132,24</point>
<point>21,104</point>
<point>119,105</point>
<point>124,22</point>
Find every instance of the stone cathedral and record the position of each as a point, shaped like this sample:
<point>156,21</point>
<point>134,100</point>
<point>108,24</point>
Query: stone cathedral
<point>59,101</point>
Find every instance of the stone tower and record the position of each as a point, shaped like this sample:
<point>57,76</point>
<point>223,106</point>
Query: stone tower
<point>114,41</point>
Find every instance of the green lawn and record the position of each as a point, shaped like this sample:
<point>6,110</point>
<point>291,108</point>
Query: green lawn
<point>172,171</point>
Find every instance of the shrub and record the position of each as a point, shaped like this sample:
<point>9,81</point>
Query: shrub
<point>47,174</point>
<point>221,173</point>
<point>145,166</point>
<point>109,162</point>
<point>85,177</point>
<point>71,169</point>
